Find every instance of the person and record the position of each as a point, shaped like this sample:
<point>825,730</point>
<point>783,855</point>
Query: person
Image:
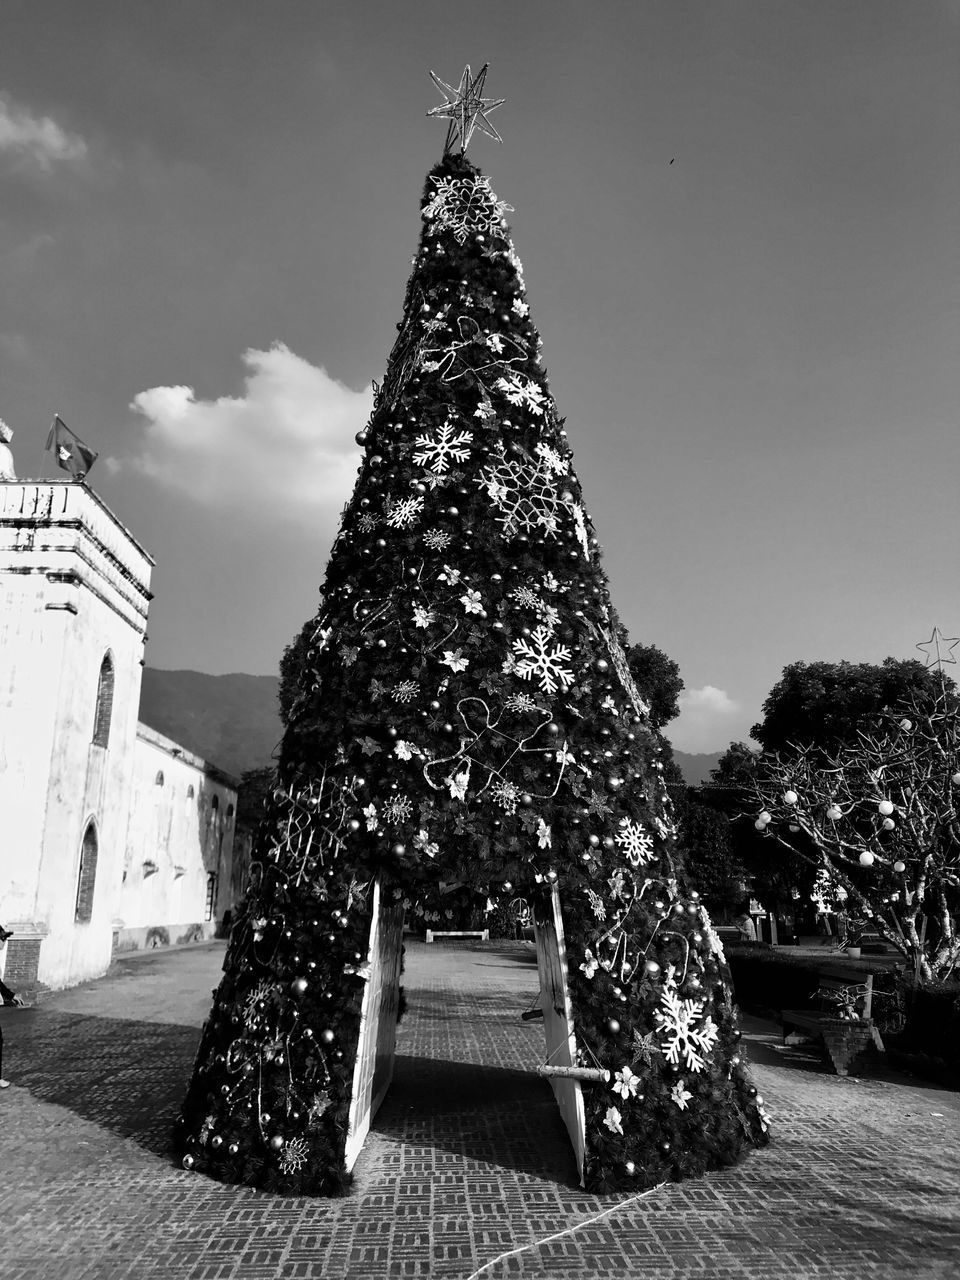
<point>9,997</point>
<point>744,922</point>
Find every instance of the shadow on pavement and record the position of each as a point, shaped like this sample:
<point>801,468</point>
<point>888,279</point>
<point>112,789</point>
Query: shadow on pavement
<point>129,1077</point>
<point>498,1116</point>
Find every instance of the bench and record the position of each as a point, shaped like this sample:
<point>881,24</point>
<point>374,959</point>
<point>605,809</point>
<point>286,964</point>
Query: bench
<point>847,1032</point>
<point>482,934</point>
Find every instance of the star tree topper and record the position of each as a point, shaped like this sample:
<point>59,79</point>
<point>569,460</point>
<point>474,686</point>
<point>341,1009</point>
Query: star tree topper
<point>466,108</point>
<point>934,653</point>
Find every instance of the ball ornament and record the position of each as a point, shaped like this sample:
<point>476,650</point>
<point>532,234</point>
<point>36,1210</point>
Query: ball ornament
<point>867,859</point>
<point>885,807</point>
<point>790,797</point>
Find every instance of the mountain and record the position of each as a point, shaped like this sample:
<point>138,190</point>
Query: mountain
<point>232,721</point>
<point>696,767</point>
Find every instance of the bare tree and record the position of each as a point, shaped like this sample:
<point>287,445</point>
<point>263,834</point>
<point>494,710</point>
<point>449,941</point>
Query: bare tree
<point>879,817</point>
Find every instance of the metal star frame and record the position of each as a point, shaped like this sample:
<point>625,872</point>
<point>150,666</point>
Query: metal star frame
<point>466,108</point>
<point>932,648</point>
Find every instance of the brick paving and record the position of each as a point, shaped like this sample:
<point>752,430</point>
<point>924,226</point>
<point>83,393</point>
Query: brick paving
<point>468,1158</point>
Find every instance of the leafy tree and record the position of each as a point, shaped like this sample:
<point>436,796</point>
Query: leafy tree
<point>659,681</point>
<point>465,719</point>
<point>822,704</point>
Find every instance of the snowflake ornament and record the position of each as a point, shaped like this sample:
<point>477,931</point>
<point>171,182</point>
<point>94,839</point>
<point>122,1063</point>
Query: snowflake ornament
<point>681,1036</point>
<point>526,598</point>
<point>262,993</point>
<point>506,795</point>
<point>443,448</point>
<point>636,844</point>
<point>405,691</point>
<point>536,659</point>
<point>521,704</point>
<point>397,810</point>
<point>552,459</point>
<point>437,539</point>
<point>465,207</point>
<point>522,392</point>
<point>524,493</point>
<point>404,512</point>
<point>367,523</point>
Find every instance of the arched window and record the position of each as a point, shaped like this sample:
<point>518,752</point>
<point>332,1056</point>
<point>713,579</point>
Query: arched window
<point>190,792</point>
<point>229,810</point>
<point>215,803</point>
<point>88,874</point>
<point>159,778</point>
<point>101,719</point>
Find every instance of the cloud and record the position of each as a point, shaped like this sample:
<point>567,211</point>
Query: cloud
<point>705,719</point>
<point>284,450</point>
<point>37,139</point>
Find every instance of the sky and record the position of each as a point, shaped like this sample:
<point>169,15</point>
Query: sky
<point>738,223</point>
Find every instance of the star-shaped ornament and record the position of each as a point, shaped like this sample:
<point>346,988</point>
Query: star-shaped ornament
<point>939,649</point>
<point>466,108</point>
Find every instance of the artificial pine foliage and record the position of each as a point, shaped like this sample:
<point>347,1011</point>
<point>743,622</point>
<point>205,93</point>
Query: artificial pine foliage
<point>466,722</point>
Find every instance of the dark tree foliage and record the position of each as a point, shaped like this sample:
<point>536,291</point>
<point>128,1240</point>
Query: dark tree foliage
<point>256,786</point>
<point>776,877</point>
<point>659,681</point>
<point>293,664</point>
<point>824,703</point>
<point>465,722</point>
<point>712,863</point>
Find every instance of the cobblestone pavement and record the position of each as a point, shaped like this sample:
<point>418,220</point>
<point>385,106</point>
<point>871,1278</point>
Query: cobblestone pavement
<point>467,1161</point>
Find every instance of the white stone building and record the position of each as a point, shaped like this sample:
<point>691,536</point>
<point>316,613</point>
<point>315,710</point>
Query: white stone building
<point>110,834</point>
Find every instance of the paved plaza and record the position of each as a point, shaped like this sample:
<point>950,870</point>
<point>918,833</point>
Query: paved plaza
<point>467,1162</point>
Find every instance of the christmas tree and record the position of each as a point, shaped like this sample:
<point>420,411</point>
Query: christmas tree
<point>466,717</point>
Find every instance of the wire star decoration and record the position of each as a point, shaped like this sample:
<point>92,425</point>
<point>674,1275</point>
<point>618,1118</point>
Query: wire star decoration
<point>466,108</point>
<point>931,647</point>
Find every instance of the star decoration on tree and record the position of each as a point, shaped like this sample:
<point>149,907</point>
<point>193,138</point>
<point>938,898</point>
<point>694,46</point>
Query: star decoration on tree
<point>932,648</point>
<point>466,108</point>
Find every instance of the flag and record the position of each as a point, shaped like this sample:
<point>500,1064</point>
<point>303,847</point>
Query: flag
<point>71,453</point>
